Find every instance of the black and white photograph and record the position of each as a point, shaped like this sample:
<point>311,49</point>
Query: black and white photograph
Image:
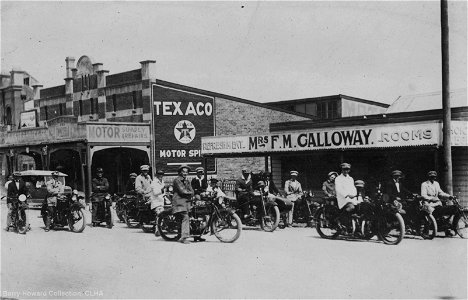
<point>233,149</point>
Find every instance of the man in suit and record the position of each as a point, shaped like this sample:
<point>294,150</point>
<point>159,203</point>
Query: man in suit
<point>14,189</point>
<point>183,193</point>
<point>199,183</point>
<point>243,190</point>
<point>54,188</point>
<point>395,188</point>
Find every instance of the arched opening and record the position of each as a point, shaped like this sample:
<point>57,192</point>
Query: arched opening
<point>118,163</point>
<point>68,161</point>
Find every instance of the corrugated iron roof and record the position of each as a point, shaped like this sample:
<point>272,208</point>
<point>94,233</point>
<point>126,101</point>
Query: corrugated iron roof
<point>427,101</point>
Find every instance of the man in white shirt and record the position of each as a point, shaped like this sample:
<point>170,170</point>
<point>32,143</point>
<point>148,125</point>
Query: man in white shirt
<point>215,191</point>
<point>143,183</point>
<point>157,198</point>
<point>432,193</point>
<point>293,190</point>
<point>346,193</point>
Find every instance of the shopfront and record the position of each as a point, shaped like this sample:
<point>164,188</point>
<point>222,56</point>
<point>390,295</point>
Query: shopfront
<point>373,151</point>
<point>77,149</point>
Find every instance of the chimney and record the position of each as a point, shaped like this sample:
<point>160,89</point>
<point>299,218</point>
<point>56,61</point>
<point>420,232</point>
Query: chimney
<point>36,91</point>
<point>69,64</point>
<point>97,67</point>
<point>4,80</point>
<point>148,70</point>
<point>74,70</point>
<point>17,77</point>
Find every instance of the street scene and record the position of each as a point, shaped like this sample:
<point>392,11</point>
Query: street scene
<point>288,263</point>
<point>234,150</point>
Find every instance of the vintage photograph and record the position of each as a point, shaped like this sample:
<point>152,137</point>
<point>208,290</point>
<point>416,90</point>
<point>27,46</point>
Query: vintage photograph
<point>233,150</point>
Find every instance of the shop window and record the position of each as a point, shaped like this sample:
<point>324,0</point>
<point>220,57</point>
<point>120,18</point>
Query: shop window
<point>301,108</point>
<point>114,102</point>
<point>134,99</point>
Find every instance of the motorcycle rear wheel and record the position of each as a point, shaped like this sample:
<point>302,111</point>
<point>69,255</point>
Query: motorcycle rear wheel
<point>21,224</point>
<point>270,221</point>
<point>147,228</point>
<point>76,220</point>
<point>462,225</point>
<point>227,226</point>
<point>428,227</point>
<point>168,226</point>
<point>324,225</point>
<point>367,229</point>
<point>391,228</point>
<point>131,223</point>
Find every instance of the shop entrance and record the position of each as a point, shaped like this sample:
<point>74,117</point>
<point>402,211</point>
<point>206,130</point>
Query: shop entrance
<point>118,163</point>
<point>29,161</point>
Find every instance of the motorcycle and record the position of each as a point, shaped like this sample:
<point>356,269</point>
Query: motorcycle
<point>146,216</point>
<point>126,209</point>
<point>19,219</point>
<point>68,212</point>
<point>207,216</point>
<point>304,209</point>
<point>263,211</point>
<point>418,219</point>
<point>461,222</point>
<point>371,218</point>
<point>103,203</point>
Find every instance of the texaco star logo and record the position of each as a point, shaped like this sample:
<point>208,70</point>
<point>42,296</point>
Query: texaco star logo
<point>184,131</point>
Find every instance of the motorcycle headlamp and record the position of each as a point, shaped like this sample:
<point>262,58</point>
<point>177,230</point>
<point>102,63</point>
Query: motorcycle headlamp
<point>257,193</point>
<point>75,192</point>
<point>22,197</point>
<point>74,198</point>
<point>107,197</point>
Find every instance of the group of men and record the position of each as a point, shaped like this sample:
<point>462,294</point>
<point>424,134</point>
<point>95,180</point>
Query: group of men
<point>350,193</point>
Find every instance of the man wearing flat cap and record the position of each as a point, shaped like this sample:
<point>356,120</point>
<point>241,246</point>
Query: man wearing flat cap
<point>130,187</point>
<point>199,183</point>
<point>143,183</point>
<point>55,188</point>
<point>243,190</point>
<point>346,192</point>
<point>395,188</point>
<point>215,191</point>
<point>293,190</point>
<point>328,185</point>
<point>183,194</point>
<point>432,193</point>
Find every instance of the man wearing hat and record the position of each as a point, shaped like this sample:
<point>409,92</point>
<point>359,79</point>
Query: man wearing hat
<point>130,187</point>
<point>54,189</point>
<point>395,188</point>
<point>432,193</point>
<point>100,187</point>
<point>199,183</point>
<point>183,193</point>
<point>328,185</point>
<point>15,188</point>
<point>346,192</point>
<point>215,191</point>
<point>293,190</point>
<point>243,190</point>
<point>143,183</point>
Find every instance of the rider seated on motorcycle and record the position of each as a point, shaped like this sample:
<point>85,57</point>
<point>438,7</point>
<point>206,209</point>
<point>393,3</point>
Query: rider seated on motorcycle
<point>345,193</point>
<point>15,188</point>
<point>143,184</point>
<point>100,187</point>
<point>130,188</point>
<point>55,189</point>
<point>157,198</point>
<point>243,191</point>
<point>432,193</point>
<point>328,185</point>
<point>293,190</point>
<point>213,190</point>
<point>199,183</point>
<point>284,204</point>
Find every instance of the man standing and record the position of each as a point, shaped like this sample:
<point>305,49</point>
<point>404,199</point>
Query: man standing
<point>183,193</point>
<point>293,190</point>
<point>243,190</point>
<point>432,193</point>
<point>100,187</point>
<point>199,183</point>
<point>15,188</point>
<point>55,188</point>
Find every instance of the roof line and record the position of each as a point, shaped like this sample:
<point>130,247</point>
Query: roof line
<point>330,97</point>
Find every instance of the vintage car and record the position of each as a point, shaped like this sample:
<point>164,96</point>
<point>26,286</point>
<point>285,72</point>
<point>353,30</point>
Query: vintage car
<point>36,183</point>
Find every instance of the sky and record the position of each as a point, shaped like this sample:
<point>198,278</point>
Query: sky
<point>261,51</point>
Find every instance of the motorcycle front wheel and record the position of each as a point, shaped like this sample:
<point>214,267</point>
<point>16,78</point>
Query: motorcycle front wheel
<point>76,220</point>
<point>168,226</point>
<point>270,221</point>
<point>428,227</point>
<point>131,222</point>
<point>226,226</point>
<point>391,228</point>
<point>367,229</point>
<point>21,222</point>
<point>324,224</point>
<point>462,225</point>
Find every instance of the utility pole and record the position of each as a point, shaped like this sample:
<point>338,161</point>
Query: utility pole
<point>446,131</point>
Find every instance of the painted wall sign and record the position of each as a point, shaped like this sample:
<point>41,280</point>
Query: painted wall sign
<point>181,119</point>
<point>28,119</point>
<point>117,133</point>
<point>354,137</point>
<point>459,133</point>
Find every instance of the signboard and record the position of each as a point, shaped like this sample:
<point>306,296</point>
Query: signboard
<point>459,133</point>
<point>332,138</point>
<point>118,133</point>
<point>181,119</point>
<point>28,119</point>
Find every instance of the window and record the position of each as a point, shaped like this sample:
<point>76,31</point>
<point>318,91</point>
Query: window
<point>114,102</point>
<point>97,105</point>
<point>81,107</point>
<point>91,101</point>
<point>61,109</point>
<point>311,109</point>
<point>322,110</point>
<point>8,116</point>
<point>301,108</point>
<point>46,112</point>
<point>26,81</point>
<point>134,99</point>
<point>333,109</point>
